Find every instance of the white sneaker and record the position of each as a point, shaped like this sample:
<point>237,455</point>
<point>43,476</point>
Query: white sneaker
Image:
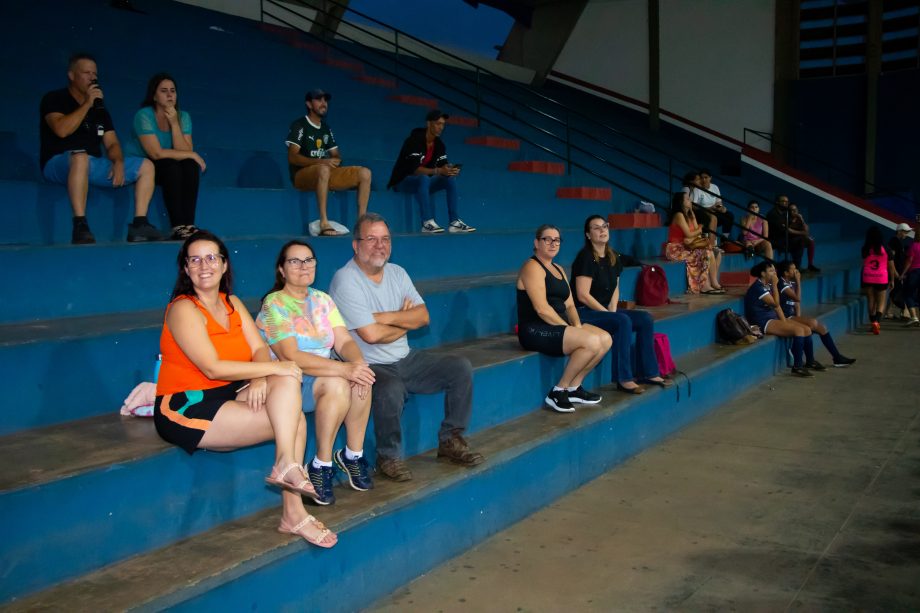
<point>913,323</point>
<point>457,225</point>
<point>431,227</point>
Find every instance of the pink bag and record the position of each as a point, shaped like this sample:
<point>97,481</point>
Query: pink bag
<point>663,353</point>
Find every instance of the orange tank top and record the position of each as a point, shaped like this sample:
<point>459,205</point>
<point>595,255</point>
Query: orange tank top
<point>178,373</point>
<point>676,235</point>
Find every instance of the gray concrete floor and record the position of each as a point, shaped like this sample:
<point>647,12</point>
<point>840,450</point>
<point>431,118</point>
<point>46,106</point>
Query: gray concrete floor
<point>798,495</point>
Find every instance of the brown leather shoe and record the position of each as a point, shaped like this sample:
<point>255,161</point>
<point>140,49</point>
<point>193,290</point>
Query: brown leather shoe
<point>394,468</point>
<point>457,450</point>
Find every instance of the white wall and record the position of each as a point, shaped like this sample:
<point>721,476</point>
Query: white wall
<point>716,58</point>
<point>609,47</point>
<point>717,63</point>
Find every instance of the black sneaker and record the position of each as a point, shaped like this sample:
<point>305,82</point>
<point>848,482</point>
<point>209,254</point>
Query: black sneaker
<point>355,470</point>
<point>801,372</point>
<point>81,234</point>
<point>321,478</point>
<point>143,232</point>
<point>583,396</point>
<point>813,268</point>
<point>815,365</point>
<point>558,400</point>
<point>843,361</point>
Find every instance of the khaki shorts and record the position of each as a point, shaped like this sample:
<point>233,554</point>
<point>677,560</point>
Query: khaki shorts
<point>341,177</point>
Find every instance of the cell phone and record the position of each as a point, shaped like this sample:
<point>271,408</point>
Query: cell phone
<point>457,166</point>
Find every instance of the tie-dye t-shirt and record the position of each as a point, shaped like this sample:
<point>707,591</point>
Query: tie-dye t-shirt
<point>310,321</point>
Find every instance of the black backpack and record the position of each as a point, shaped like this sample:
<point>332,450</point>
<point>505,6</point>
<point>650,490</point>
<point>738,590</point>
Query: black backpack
<point>733,328</point>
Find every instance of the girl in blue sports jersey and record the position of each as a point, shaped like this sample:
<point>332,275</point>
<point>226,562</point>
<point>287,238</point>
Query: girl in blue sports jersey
<point>762,307</point>
<point>790,295</point>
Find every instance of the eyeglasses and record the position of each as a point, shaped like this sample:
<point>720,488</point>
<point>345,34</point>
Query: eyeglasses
<point>376,240</point>
<point>304,263</point>
<point>211,259</point>
<point>549,240</point>
<point>600,227</point>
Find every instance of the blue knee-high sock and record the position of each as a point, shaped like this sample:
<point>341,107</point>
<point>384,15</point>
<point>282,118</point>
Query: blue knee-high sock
<point>798,344</point>
<point>809,349</point>
<point>829,345</point>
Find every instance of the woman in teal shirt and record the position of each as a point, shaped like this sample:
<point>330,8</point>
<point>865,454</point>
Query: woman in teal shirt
<point>163,133</point>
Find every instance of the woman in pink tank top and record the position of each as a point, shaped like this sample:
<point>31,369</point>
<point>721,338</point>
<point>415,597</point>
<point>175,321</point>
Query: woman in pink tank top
<point>756,231</point>
<point>877,276</point>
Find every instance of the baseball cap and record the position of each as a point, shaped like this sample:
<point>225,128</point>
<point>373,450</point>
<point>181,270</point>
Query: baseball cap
<point>315,94</point>
<point>436,114</point>
<point>903,227</point>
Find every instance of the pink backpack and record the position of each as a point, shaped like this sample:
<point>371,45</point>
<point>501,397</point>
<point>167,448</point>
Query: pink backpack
<point>666,365</point>
<point>652,287</point>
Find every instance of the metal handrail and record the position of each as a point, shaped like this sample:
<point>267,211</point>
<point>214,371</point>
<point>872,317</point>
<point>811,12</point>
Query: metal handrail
<point>497,109</point>
<point>479,102</point>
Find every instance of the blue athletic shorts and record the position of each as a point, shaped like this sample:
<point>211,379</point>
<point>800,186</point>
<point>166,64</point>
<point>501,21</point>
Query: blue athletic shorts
<point>58,167</point>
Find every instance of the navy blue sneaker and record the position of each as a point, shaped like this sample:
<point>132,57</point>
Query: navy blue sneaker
<point>355,470</point>
<point>321,478</point>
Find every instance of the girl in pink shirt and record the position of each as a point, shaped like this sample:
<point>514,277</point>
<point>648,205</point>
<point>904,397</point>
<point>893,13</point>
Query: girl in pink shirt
<point>877,276</point>
<point>911,280</point>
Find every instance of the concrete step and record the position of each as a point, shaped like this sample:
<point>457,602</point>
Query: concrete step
<point>146,272</point>
<point>117,350</point>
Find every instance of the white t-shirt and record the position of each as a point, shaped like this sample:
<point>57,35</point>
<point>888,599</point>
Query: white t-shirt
<point>706,200</point>
<point>358,298</point>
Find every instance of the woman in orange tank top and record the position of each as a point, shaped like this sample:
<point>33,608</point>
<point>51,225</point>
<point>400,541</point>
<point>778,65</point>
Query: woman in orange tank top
<point>218,387</point>
<point>702,263</point>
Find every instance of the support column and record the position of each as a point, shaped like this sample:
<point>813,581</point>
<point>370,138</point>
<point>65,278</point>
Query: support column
<point>654,61</point>
<point>873,69</point>
<point>785,73</point>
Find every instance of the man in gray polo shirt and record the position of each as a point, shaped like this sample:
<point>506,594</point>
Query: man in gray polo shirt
<point>380,305</point>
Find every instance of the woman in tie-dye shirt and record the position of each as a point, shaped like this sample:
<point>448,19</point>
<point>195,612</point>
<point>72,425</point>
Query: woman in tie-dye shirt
<point>302,324</point>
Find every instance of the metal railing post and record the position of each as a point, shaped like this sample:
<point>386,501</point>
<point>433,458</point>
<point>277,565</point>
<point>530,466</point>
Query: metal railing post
<point>478,99</point>
<point>670,180</point>
<point>396,56</point>
<point>568,147</point>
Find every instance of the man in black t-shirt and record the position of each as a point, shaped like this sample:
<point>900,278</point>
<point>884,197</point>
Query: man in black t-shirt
<point>779,220</point>
<point>315,163</point>
<point>74,126</point>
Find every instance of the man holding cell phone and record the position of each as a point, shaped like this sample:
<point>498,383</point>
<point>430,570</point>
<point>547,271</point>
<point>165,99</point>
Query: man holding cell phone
<point>422,169</point>
<point>74,128</point>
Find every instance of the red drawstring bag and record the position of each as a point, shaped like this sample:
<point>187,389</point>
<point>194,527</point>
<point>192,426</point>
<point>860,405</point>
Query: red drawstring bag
<point>652,287</point>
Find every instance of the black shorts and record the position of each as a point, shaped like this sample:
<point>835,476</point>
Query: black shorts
<point>541,337</point>
<point>876,286</point>
<point>187,415</point>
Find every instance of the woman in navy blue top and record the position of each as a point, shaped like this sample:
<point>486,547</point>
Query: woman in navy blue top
<point>549,323</point>
<point>790,295</point>
<point>762,307</point>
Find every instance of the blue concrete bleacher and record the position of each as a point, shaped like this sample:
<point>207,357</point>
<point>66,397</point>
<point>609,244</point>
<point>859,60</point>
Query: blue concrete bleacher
<point>79,326</point>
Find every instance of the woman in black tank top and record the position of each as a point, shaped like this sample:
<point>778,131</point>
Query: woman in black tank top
<point>548,322</point>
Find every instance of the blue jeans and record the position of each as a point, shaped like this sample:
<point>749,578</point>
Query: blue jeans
<point>423,186</point>
<point>58,168</point>
<point>621,325</point>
